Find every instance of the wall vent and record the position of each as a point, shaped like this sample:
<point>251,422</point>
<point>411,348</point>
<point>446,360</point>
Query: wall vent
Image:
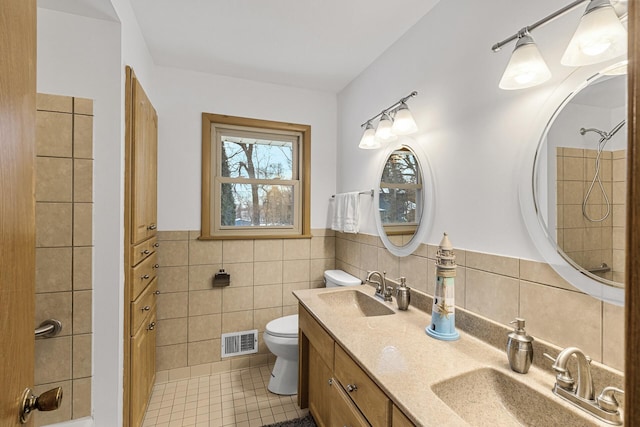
<point>237,343</point>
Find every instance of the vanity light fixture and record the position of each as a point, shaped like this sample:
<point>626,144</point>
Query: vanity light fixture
<point>600,36</point>
<point>394,121</point>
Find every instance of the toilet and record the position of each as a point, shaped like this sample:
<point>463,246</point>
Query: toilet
<point>281,338</point>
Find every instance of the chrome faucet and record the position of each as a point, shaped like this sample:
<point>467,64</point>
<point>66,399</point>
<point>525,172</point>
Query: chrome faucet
<point>580,394</point>
<point>383,290</point>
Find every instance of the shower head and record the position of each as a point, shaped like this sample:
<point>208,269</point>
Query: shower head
<point>598,131</point>
<point>616,129</point>
<point>604,135</point>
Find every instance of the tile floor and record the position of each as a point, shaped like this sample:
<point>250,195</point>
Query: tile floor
<point>238,398</point>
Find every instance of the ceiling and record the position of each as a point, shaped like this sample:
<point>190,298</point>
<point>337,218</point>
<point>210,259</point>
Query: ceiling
<point>320,45</point>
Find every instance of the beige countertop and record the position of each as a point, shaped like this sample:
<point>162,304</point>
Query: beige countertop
<point>405,362</point>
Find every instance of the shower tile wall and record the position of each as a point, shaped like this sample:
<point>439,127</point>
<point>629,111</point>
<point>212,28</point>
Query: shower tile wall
<point>588,243</point>
<point>192,314</point>
<point>64,205</point>
<point>502,288</point>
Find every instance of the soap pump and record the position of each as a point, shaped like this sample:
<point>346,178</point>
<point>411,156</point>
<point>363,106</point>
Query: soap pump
<point>520,347</point>
<point>403,294</point>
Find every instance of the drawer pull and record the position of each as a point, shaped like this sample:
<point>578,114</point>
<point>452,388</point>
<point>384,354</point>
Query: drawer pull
<point>152,326</point>
<point>156,245</point>
<point>146,308</point>
<point>330,381</point>
<point>351,388</point>
<point>152,227</point>
<point>145,252</point>
<point>156,292</point>
<point>156,265</point>
<point>145,277</point>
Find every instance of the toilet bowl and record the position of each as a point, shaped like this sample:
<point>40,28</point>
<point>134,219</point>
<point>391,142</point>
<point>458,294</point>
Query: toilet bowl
<point>281,338</point>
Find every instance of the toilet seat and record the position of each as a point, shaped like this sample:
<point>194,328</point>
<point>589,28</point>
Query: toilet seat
<point>284,327</point>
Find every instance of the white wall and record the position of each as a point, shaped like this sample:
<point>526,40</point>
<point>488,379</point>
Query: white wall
<point>181,98</point>
<point>473,133</point>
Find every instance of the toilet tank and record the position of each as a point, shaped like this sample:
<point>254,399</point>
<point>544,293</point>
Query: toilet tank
<point>335,278</point>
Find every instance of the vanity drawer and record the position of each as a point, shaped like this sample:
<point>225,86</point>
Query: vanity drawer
<point>316,334</point>
<point>143,250</point>
<point>374,404</point>
<point>343,412</point>
<point>399,419</point>
<point>141,275</point>
<point>143,305</point>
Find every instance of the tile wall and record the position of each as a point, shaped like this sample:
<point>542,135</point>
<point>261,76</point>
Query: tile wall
<point>501,289</point>
<point>64,247</point>
<point>192,314</point>
<point>589,243</point>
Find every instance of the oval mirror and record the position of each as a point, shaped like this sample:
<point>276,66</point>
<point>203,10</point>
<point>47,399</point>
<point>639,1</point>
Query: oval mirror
<point>404,198</point>
<point>579,186</point>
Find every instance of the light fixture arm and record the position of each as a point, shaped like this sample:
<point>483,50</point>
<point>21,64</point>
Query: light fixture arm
<point>391,107</point>
<point>496,47</point>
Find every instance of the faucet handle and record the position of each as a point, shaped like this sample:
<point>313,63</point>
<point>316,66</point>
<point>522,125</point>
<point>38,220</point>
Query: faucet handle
<point>607,400</point>
<point>563,376</point>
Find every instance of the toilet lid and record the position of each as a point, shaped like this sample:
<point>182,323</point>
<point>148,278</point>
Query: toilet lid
<point>286,326</point>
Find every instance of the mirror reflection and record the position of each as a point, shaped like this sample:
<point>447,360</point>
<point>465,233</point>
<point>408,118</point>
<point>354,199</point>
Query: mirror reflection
<point>580,178</point>
<point>400,195</point>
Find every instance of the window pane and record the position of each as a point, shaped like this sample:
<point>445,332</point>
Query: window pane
<point>257,205</point>
<point>256,158</point>
<point>398,205</point>
<point>401,168</point>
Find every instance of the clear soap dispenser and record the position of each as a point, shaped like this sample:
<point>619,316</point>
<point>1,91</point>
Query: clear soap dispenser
<point>520,348</point>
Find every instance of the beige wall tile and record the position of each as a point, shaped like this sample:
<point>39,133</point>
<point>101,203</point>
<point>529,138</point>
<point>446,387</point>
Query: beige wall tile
<point>172,305</point>
<point>47,102</point>
<point>317,267</point>
<point>289,309</point>
<point>57,305</point>
<point>613,336</point>
<point>368,257</point>
<point>205,302</point>
<point>201,276</point>
<point>323,247</point>
<point>564,318</point>
<point>222,366</point>
<point>45,418</point>
<point>317,232</point>
<point>460,287</point>
<point>295,271</point>
<point>573,168</point>
<point>82,224</point>
<point>81,364</point>
<point>205,252</point>
<point>287,292</point>
<point>199,370</point>
<point>83,106</point>
<point>540,272</point>
<point>81,398</point>
<point>241,273</point>
<point>173,235</point>
<point>263,316</point>
<point>205,327</point>
<point>267,296</point>
<point>54,179</point>
<point>297,249</point>
<point>268,250</point>
<point>173,253</point>
<point>82,316</point>
<point>53,269</point>
<point>267,272</point>
<point>202,352</point>
<point>237,321</point>
<point>173,279</point>
<point>352,253</point>
<point>171,331</point>
<point>83,137</point>
<point>83,180</point>
<point>52,360</point>
<point>493,263</point>
<point>171,356</point>
<point>237,251</point>
<point>82,268</point>
<point>388,262</point>
<point>53,224</point>
<point>179,373</point>
<point>241,362</point>
<point>237,299</point>
<point>53,134</point>
<point>415,270</point>
<point>491,295</point>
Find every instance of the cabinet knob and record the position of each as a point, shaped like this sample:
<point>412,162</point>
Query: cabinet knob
<point>156,265</point>
<point>156,292</point>
<point>330,381</point>
<point>145,277</point>
<point>152,326</point>
<point>351,388</point>
<point>146,308</point>
<point>146,252</point>
<point>156,245</point>
<point>152,227</point>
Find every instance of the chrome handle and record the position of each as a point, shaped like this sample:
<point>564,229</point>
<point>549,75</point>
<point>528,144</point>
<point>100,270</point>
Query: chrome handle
<point>151,326</point>
<point>146,252</point>
<point>563,377</point>
<point>47,401</point>
<point>156,245</point>
<point>351,388</point>
<point>152,227</point>
<point>607,400</point>
<point>145,277</point>
<point>146,308</point>
<point>49,328</point>
<point>156,292</point>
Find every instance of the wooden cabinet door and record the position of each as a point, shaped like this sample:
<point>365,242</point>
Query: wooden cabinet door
<point>343,411</point>
<point>143,367</point>
<point>320,384</point>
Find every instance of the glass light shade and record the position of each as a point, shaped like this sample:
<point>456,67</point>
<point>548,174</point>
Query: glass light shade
<point>369,141</point>
<point>403,122</point>
<point>383,131</point>
<point>599,37</point>
<point>526,68</point>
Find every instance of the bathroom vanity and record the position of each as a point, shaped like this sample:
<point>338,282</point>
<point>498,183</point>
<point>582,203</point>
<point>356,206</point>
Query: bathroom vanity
<point>363,362</point>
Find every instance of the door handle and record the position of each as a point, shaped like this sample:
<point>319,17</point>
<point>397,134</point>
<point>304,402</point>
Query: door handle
<point>47,401</point>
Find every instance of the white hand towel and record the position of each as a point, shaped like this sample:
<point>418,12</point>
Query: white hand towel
<point>346,213</point>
